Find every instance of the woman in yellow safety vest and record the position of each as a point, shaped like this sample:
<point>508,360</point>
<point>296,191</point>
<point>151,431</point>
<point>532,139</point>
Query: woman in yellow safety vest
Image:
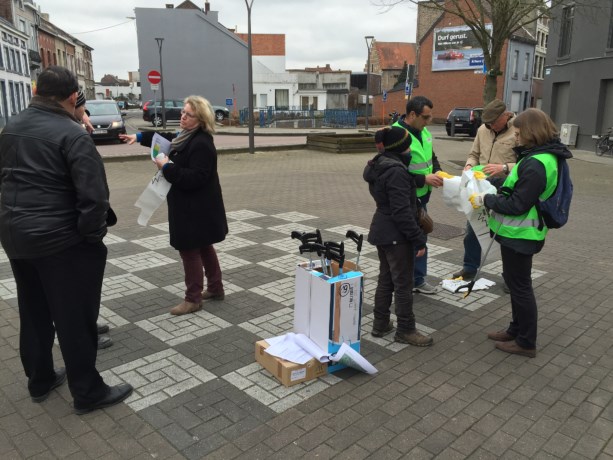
<point>515,222</point>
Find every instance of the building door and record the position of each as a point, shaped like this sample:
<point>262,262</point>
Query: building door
<point>304,102</point>
<point>607,110</point>
<point>314,104</point>
<point>560,96</point>
<point>516,101</point>
<point>263,101</point>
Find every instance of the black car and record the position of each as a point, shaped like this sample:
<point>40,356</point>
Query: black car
<point>153,113</point>
<point>106,119</point>
<point>466,120</point>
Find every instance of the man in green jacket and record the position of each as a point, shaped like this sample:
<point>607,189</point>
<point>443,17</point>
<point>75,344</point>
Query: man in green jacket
<point>423,168</point>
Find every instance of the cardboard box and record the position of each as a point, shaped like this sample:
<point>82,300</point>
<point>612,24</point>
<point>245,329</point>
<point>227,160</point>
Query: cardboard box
<point>328,310</point>
<point>286,372</point>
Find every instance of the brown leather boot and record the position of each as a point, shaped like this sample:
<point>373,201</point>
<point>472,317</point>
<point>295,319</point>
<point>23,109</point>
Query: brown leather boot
<point>514,349</point>
<point>500,336</point>
<point>185,307</point>
<point>414,338</point>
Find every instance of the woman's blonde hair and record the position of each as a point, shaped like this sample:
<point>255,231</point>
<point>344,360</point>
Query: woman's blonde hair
<point>203,111</point>
<point>535,126</point>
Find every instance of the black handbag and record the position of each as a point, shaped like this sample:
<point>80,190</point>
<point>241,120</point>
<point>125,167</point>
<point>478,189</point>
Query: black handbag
<point>425,221</point>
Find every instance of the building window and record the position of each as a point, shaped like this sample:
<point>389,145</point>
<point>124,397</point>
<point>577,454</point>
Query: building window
<point>515,64</point>
<point>526,65</point>
<point>282,99</point>
<point>566,30</point>
<point>26,67</point>
<point>610,42</point>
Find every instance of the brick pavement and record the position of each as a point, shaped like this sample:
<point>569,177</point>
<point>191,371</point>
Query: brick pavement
<point>200,394</point>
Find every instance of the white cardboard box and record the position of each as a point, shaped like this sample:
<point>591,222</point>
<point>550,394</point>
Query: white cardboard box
<point>329,310</point>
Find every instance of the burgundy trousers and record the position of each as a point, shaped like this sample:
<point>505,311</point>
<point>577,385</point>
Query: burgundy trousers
<point>194,260</point>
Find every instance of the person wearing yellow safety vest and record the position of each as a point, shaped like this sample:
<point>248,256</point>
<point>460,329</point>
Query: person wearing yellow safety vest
<point>516,223</point>
<point>423,167</point>
<point>492,153</point>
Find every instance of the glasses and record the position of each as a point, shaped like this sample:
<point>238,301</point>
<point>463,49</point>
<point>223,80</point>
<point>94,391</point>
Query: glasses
<point>187,114</point>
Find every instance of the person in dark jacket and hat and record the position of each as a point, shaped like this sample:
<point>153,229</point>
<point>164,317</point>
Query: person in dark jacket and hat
<point>196,212</point>
<point>395,232</point>
<point>516,221</point>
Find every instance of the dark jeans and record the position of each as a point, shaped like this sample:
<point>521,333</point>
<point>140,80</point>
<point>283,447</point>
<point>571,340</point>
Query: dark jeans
<point>395,279</point>
<point>193,261</point>
<point>517,273</point>
<point>472,250</point>
<point>62,290</point>
<point>420,265</point>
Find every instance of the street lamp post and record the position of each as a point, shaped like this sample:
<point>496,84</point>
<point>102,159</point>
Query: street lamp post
<point>160,42</point>
<point>369,39</point>
<point>249,4</point>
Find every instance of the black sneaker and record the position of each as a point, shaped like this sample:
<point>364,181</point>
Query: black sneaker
<point>380,332</point>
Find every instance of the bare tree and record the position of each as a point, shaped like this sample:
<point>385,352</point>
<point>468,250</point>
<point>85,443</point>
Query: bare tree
<point>506,18</point>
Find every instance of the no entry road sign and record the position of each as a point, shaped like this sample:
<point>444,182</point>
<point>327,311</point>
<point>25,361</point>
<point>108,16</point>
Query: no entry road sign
<point>154,77</point>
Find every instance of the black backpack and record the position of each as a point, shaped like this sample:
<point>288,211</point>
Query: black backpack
<point>554,210</point>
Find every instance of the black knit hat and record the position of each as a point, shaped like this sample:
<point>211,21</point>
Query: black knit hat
<point>80,99</point>
<point>393,139</point>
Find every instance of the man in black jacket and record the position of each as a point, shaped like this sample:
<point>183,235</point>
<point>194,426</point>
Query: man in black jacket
<point>53,216</point>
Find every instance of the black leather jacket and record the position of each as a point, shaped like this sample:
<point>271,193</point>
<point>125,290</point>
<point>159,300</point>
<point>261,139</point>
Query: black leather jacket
<point>53,189</point>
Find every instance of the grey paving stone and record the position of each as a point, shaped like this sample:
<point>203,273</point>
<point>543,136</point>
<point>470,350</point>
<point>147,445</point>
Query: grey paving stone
<point>438,441</point>
<point>559,445</point>
<point>284,437</point>
<point>589,446</point>
<point>528,444</point>
<point>499,442</point>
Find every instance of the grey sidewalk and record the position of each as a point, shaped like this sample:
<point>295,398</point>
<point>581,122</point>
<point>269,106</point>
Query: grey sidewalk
<point>202,396</point>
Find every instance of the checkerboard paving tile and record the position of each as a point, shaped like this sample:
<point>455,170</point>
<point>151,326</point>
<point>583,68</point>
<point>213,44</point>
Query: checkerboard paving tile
<point>387,341</point>
<point>179,288</point>
<point>294,216</point>
<point>141,261</point>
<point>157,377</point>
<point>287,229</point>
<point>162,375</point>
<point>262,386</point>
<point>154,242</point>
<point>281,291</point>
<point>112,319</point>
<point>8,289</point>
<point>272,324</point>
<point>174,330</point>
<point>239,226</point>
<point>108,239</point>
<point>118,286</point>
<point>244,214</point>
<point>163,227</point>
<point>495,268</point>
<point>285,244</point>
<point>233,242</point>
<point>285,264</point>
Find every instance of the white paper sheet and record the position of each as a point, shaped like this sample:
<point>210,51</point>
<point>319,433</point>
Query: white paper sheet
<point>159,145</point>
<point>480,284</point>
<point>298,348</point>
<point>152,197</point>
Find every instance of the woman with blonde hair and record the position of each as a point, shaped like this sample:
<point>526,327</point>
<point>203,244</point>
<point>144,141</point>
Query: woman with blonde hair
<point>196,213</point>
<point>517,223</point>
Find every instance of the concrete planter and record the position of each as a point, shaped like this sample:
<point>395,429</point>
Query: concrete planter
<point>342,143</point>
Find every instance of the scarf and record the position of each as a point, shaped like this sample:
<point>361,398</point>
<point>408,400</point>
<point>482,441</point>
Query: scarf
<point>48,104</point>
<point>179,142</point>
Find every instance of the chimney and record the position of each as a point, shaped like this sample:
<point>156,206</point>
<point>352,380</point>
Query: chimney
<point>170,6</point>
<point>207,7</point>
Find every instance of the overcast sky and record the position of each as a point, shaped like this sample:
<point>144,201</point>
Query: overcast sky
<point>317,32</point>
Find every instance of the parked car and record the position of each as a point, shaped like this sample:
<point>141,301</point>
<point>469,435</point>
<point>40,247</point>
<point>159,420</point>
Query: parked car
<point>153,113</point>
<point>466,120</point>
<point>106,119</point>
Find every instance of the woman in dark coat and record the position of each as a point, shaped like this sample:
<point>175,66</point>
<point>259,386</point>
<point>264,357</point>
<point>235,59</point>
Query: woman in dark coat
<point>196,213</point>
<point>396,233</point>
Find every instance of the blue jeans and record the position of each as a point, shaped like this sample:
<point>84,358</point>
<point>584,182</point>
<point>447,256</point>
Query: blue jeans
<point>472,250</point>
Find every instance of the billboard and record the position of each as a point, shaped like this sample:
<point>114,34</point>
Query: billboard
<point>456,48</point>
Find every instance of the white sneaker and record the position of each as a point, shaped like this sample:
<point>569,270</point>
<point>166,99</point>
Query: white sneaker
<point>425,288</point>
